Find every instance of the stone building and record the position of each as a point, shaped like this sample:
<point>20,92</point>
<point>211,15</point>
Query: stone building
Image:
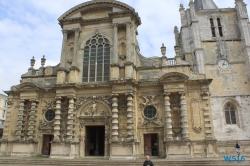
<point>106,99</point>
<point>3,108</point>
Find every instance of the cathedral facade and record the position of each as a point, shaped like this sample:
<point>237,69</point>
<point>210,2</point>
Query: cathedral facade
<point>105,99</point>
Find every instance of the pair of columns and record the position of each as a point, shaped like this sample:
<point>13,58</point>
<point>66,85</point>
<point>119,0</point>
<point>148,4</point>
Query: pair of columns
<point>64,44</point>
<point>32,120</point>
<point>184,120</point>
<point>130,117</point>
<point>70,119</point>
<point>128,37</point>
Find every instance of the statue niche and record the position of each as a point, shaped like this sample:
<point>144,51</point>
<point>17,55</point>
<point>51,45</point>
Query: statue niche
<point>176,115</point>
<point>94,108</point>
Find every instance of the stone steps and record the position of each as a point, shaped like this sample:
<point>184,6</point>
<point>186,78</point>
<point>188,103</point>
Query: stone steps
<point>8,161</point>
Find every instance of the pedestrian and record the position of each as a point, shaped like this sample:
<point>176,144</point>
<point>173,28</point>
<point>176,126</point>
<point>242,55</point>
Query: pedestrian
<point>148,162</point>
<point>238,148</point>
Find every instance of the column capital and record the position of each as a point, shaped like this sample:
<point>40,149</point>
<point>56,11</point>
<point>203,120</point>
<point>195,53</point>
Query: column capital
<point>77,30</point>
<point>115,25</point>
<point>182,93</point>
<point>65,31</point>
<point>21,101</point>
<point>114,95</point>
<point>166,93</point>
<point>129,94</point>
<point>72,97</point>
<point>128,23</point>
<point>58,97</point>
<point>34,101</point>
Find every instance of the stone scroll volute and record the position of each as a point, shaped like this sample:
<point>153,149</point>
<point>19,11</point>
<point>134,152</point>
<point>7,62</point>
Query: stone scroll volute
<point>196,115</point>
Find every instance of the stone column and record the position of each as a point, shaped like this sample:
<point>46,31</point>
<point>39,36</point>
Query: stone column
<point>168,119</point>
<point>77,33</point>
<point>128,24</point>
<point>64,43</point>
<point>115,60</point>
<point>130,117</point>
<point>70,122</point>
<point>115,122</point>
<point>32,119</point>
<point>57,119</point>
<point>19,129</point>
<point>184,120</point>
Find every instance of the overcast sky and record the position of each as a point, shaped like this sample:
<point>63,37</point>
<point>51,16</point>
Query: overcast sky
<point>30,28</point>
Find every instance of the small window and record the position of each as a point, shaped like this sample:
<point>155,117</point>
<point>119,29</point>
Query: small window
<point>150,112</point>
<point>220,27</point>
<point>50,115</point>
<point>230,114</point>
<point>3,113</point>
<point>212,27</point>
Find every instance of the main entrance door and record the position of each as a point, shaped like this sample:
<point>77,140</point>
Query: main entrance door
<point>94,142</point>
<point>47,144</point>
<point>151,144</point>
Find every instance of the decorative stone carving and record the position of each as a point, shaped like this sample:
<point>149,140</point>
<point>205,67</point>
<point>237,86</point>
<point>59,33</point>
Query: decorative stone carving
<point>156,122</point>
<point>148,100</point>
<point>44,124</point>
<point>106,99</point>
<point>196,118</point>
<point>94,109</point>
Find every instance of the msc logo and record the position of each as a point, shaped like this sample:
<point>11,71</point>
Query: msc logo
<point>234,158</point>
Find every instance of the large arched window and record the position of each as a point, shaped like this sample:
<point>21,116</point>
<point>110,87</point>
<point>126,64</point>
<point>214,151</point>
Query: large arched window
<point>230,113</point>
<point>96,60</point>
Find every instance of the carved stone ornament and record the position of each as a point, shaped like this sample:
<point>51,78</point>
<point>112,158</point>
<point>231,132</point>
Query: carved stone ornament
<point>150,122</point>
<point>82,100</point>
<point>46,125</point>
<point>148,101</point>
<point>94,109</point>
<point>196,117</point>
<point>50,104</point>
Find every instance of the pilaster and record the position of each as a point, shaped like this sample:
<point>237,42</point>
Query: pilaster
<point>77,33</point>
<point>115,58</point>
<point>128,37</point>
<point>63,58</point>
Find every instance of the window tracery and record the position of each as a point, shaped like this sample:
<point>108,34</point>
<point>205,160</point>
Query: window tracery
<point>96,60</point>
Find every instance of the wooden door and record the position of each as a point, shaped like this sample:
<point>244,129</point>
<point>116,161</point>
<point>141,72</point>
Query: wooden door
<point>46,144</point>
<point>87,142</point>
<point>147,144</point>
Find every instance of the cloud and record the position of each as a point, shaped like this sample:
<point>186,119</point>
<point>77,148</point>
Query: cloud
<point>30,28</point>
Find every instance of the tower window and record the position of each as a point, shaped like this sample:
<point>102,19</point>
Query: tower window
<point>96,60</point>
<point>220,27</point>
<point>212,27</point>
<point>230,114</point>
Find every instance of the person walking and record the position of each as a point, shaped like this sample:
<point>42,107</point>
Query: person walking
<point>237,148</point>
<point>148,162</point>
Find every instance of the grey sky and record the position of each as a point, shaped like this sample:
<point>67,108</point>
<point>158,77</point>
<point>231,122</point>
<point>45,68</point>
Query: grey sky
<point>30,28</point>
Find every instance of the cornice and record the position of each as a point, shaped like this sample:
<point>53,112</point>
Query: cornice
<point>92,4</point>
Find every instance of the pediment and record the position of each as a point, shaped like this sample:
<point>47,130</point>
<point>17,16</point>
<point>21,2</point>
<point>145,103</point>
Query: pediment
<point>28,86</point>
<point>173,77</point>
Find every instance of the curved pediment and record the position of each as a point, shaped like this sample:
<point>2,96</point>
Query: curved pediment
<point>97,9</point>
<point>28,86</point>
<point>173,77</point>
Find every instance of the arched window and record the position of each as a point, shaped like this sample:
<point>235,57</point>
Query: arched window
<point>212,27</point>
<point>219,27</point>
<point>230,113</point>
<point>96,60</point>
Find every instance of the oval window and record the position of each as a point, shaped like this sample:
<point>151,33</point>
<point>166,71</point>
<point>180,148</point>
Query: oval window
<point>50,115</point>
<point>149,112</point>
